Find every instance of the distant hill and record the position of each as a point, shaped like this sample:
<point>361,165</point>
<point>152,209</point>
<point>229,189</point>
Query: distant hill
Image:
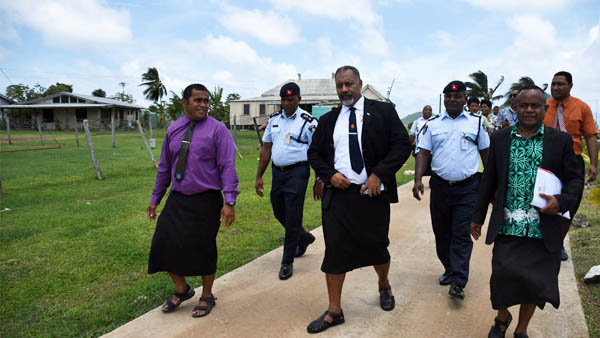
<point>411,118</point>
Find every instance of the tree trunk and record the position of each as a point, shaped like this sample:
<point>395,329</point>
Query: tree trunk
<point>146,143</point>
<point>88,138</point>
<point>150,124</point>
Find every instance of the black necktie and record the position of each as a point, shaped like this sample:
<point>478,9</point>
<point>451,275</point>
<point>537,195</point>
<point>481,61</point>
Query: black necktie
<point>183,151</point>
<point>355,155</point>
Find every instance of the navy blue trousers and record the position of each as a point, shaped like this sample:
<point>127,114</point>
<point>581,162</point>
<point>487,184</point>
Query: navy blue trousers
<point>452,209</point>
<point>287,198</point>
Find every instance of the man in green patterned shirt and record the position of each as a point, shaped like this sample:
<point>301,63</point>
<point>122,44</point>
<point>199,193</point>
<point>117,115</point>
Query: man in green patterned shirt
<point>527,241</point>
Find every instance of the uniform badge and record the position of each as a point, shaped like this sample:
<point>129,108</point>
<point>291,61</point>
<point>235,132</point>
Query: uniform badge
<point>352,126</point>
<point>289,92</point>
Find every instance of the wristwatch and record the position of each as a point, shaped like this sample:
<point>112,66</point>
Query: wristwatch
<point>231,204</point>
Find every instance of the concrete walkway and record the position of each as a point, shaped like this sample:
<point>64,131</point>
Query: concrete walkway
<point>253,302</point>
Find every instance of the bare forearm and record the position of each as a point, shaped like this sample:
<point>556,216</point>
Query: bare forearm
<point>263,161</point>
<point>592,146</point>
<point>421,164</point>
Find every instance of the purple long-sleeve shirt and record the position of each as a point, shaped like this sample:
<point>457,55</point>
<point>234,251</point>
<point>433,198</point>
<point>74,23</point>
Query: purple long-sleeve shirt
<point>210,163</point>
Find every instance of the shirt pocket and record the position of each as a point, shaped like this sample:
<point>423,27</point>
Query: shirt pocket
<point>439,135</point>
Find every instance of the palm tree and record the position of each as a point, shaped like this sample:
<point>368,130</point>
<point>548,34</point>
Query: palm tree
<point>216,107</point>
<point>480,88</point>
<point>155,89</point>
<point>524,81</point>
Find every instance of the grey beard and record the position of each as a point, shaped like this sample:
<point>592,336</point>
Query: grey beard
<point>348,101</point>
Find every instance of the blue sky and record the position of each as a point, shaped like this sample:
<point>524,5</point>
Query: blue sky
<point>248,47</point>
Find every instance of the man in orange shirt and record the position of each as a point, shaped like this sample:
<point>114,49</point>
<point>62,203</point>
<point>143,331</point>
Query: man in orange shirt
<point>570,114</point>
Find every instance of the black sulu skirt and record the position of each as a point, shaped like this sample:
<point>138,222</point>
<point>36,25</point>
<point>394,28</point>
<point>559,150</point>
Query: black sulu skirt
<point>185,239</point>
<point>355,229</point>
<point>523,272</point>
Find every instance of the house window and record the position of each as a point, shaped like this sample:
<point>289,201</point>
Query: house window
<point>48,115</point>
<point>246,109</point>
<point>80,100</point>
<point>136,115</point>
<point>64,99</point>
<point>120,114</point>
<point>105,114</point>
<point>263,109</point>
<point>56,99</point>
<point>81,114</point>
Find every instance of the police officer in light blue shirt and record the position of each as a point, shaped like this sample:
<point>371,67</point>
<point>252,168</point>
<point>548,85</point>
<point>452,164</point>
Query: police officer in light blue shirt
<point>286,140</point>
<point>507,117</point>
<point>455,140</point>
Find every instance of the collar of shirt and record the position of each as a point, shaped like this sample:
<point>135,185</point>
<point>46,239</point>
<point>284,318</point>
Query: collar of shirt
<point>293,117</point>
<point>360,107</point>
<point>446,115</point>
<point>515,131</point>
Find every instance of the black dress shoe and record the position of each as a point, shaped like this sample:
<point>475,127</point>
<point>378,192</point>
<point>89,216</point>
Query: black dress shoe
<point>445,278</point>
<point>286,271</point>
<point>301,249</point>
<point>456,291</point>
<point>496,330</point>
<point>564,255</point>
<point>320,324</point>
<point>521,335</point>
<point>386,301</point>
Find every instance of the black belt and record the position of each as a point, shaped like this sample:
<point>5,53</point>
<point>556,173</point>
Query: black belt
<point>291,166</point>
<point>453,183</point>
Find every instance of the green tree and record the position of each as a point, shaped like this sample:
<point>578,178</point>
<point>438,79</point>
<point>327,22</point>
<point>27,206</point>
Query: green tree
<point>216,107</point>
<point>231,97</point>
<point>124,97</point>
<point>99,93</point>
<point>524,81</point>
<point>174,107</point>
<point>155,89</point>
<point>23,93</point>
<point>480,89</point>
<point>160,108</point>
<point>58,88</point>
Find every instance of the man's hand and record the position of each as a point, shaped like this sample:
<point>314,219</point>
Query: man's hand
<point>475,230</point>
<point>552,206</point>
<point>339,181</point>
<point>505,124</point>
<point>418,187</point>
<point>258,185</point>
<point>318,189</point>
<point>373,184</point>
<point>227,215</point>
<point>592,173</point>
<point>151,212</point>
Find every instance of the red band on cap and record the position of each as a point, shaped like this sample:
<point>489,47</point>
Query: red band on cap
<point>454,86</point>
<point>289,92</point>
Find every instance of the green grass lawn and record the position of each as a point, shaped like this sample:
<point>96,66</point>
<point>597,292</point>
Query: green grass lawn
<point>585,247</point>
<point>74,249</point>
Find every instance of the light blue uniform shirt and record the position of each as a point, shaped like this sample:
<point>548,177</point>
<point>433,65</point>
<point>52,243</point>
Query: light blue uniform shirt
<point>507,114</point>
<point>416,128</point>
<point>452,145</point>
<point>290,136</point>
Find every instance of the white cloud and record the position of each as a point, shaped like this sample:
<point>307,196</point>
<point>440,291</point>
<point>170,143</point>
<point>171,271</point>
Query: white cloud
<point>269,27</point>
<point>359,11</point>
<point>445,39</point>
<point>72,23</point>
<point>9,33</point>
<point>535,36</point>
<point>519,5</point>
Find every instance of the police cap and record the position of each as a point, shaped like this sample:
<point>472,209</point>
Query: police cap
<point>289,89</point>
<point>455,87</point>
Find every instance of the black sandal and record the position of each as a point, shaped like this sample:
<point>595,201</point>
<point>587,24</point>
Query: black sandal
<point>320,324</point>
<point>521,335</point>
<point>185,295</point>
<point>495,331</point>
<point>210,301</point>
<point>386,301</point>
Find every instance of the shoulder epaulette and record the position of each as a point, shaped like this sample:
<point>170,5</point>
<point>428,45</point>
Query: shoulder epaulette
<point>275,114</point>
<point>475,114</point>
<point>432,118</point>
<point>307,117</point>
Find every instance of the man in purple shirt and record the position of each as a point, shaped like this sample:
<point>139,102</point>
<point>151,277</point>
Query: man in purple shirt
<point>197,159</point>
